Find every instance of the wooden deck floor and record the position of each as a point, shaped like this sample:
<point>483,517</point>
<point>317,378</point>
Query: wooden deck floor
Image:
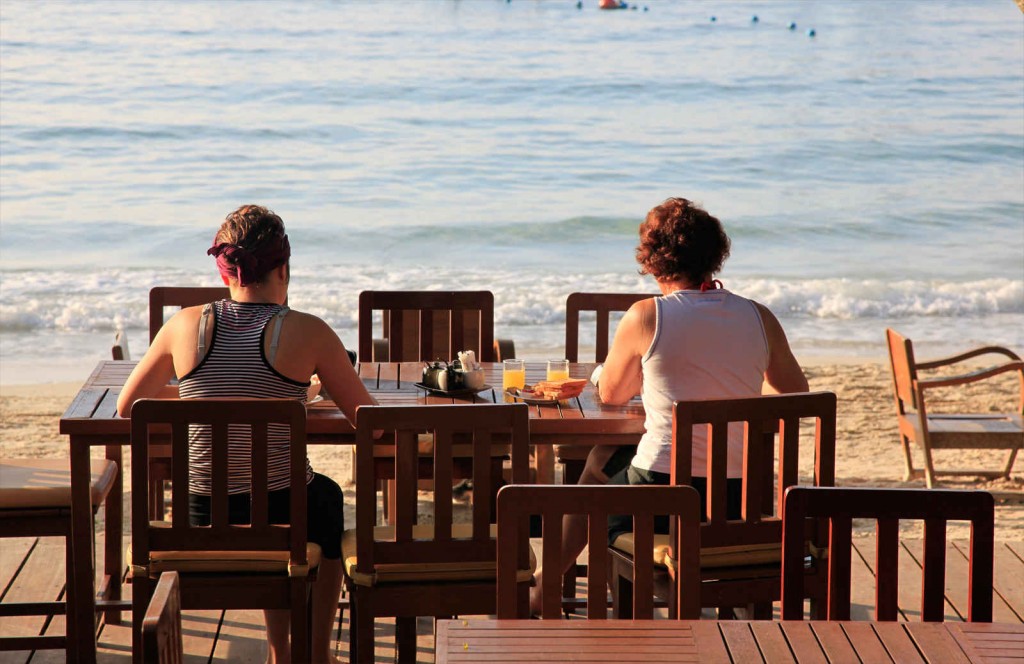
<point>33,569</point>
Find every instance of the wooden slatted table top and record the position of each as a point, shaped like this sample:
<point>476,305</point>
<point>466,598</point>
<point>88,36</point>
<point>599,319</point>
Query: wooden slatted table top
<point>93,412</point>
<point>725,641</point>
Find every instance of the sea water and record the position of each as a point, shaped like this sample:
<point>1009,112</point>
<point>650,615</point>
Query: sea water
<point>870,176</point>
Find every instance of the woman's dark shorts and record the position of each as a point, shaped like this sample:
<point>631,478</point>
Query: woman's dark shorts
<point>631,475</point>
<point>325,505</point>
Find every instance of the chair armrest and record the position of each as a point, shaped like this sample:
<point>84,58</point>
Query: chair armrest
<point>999,350</point>
<point>972,377</point>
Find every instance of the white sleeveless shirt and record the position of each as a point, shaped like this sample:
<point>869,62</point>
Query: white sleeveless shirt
<point>707,345</point>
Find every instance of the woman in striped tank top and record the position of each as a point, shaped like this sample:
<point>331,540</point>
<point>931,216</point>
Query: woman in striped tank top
<point>254,346</point>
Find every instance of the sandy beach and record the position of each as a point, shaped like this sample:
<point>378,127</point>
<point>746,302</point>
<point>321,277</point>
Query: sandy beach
<point>868,450</point>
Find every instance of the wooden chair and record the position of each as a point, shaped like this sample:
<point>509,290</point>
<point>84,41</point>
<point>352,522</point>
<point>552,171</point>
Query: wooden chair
<point>35,501</point>
<point>741,559</point>
<point>222,566</point>
<point>517,503</point>
<point>888,507</point>
<point>119,349</point>
<point>574,457</point>
<point>161,297</point>
<point>412,569</point>
<point>423,326</point>
<point>426,325</point>
<point>161,627</point>
<point>1002,431</point>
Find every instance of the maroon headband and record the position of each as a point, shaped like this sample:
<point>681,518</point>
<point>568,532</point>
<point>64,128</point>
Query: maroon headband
<point>235,261</point>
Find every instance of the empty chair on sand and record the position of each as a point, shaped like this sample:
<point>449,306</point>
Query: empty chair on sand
<point>933,431</point>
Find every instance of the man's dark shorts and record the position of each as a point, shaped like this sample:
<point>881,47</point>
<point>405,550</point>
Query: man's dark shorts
<point>633,476</point>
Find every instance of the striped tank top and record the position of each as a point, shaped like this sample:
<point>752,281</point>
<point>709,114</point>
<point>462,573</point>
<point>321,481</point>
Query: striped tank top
<point>236,366</point>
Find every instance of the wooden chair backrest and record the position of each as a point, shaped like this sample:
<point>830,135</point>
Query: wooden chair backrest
<point>475,424</point>
<point>904,370</point>
<point>161,627</point>
<point>151,419</point>
<point>179,296</point>
<point>602,304</point>
<point>428,325</point>
<point>888,507</point>
<point>517,503</point>
<point>761,516</point>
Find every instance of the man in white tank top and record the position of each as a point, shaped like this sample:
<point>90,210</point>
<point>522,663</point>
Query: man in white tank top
<point>695,341</point>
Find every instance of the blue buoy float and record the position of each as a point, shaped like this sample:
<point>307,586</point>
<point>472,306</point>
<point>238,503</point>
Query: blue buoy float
<point>579,4</point>
<point>754,19</point>
<point>811,32</point>
<point>714,18</point>
<point>792,26</point>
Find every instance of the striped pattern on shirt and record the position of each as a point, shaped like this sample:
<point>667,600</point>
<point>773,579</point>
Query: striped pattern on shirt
<point>236,366</point>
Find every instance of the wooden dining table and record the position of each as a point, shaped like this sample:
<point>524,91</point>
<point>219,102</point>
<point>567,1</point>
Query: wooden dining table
<point>91,420</point>
<point>725,641</point>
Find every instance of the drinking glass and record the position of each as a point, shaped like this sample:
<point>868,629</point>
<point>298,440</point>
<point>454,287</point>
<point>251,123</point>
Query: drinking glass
<point>513,374</point>
<point>558,369</point>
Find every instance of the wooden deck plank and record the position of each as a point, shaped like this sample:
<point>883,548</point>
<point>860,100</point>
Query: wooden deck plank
<point>1017,548</point>
<point>242,637</point>
<point>41,579</point>
<point>1008,580</point>
<point>862,579</point>
<point>958,569</point>
<point>13,552</point>
<point>911,583</point>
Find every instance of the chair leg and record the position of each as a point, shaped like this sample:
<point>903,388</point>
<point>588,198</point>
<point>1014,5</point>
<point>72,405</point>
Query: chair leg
<point>405,639</point>
<point>361,632</point>
<point>72,619</point>
<point>1009,463</point>
<point>910,472</point>
<point>622,590</point>
<point>300,619</point>
<point>142,591</point>
<point>929,468</point>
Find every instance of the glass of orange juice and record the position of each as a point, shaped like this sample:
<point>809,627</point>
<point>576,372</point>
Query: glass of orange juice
<point>558,369</point>
<point>513,374</point>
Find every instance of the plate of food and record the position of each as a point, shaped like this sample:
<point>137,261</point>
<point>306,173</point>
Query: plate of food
<point>456,393</point>
<point>549,391</point>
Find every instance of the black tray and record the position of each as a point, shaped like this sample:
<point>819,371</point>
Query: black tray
<point>464,392</point>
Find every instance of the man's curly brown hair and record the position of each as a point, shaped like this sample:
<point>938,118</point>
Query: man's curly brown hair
<point>679,241</point>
